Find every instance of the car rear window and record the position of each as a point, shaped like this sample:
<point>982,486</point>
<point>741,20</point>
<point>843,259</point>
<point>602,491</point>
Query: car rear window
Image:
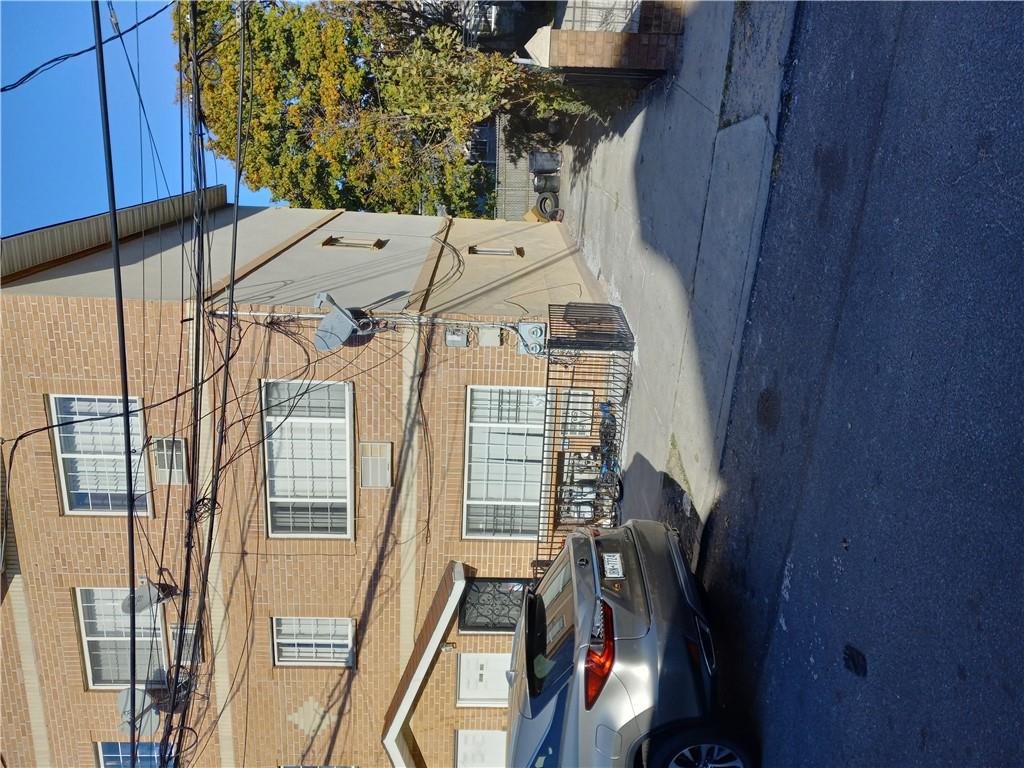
<point>549,633</point>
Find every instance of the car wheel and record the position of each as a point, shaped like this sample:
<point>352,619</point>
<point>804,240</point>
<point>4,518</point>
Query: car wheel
<point>697,749</point>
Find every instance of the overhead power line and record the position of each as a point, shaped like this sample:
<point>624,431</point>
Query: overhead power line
<point>220,437</point>
<point>123,353</point>
<point>56,60</point>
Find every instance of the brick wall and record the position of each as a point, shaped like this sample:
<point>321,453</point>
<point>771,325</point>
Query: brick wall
<point>612,50</point>
<point>278,714</point>
<point>69,346</point>
<point>662,16</point>
<point>360,578</point>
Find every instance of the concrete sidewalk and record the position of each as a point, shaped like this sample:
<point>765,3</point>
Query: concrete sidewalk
<point>668,204</point>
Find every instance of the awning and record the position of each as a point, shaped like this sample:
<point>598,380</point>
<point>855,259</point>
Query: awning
<point>399,742</point>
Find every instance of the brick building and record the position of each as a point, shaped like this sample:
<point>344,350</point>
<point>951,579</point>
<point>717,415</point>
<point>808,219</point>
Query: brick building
<point>615,38</point>
<point>379,506</point>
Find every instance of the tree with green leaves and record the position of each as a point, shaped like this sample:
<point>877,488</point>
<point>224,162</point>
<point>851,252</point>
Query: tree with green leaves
<point>360,105</point>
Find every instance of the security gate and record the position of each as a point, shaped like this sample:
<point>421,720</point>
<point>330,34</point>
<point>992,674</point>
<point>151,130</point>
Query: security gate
<point>589,372</point>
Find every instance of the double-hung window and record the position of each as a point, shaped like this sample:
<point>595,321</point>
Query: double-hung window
<point>309,641</point>
<point>106,639</point>
<point>90,455</point>
<point>118,754</point>
<point>308,453</point>
<point>504,454</point>
<point>169,459</point>
<point>188,644</point>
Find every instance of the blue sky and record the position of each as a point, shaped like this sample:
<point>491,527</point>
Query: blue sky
<point>51,156</point>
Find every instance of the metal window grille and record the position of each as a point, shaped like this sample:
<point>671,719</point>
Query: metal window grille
<point>189,644</point>
<point>118,754</point>
<point>313,642</point>
<point>90,454</point>
<point>106,639</point>
<point>602,15</point>
<point>519,405</point>
<point>577,412</point>
<point>492,605</point>
<point>504,454</point>
<point>169,460</point>
<point>375,465</point>
<point>307,453</point>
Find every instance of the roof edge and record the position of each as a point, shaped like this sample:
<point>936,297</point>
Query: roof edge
<point>38,249</point>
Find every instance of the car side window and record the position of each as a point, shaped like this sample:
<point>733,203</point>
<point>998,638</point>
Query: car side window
<point>550,650</point>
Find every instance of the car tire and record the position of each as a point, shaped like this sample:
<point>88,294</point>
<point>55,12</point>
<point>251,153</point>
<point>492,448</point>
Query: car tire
<point>705,748</point>
<point>547,202</point>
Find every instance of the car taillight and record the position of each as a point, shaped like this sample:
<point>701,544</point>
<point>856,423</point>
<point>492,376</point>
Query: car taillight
<point>600,654</point>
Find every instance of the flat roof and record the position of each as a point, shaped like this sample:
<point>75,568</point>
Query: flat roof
<point>156,267</point>
<point>286,256</point>
<point>368,277</point>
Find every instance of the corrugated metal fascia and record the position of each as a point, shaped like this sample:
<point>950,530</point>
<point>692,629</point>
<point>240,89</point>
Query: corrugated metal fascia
<point>39,246</point>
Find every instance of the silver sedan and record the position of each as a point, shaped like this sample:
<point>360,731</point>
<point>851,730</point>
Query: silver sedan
<point>613,662</point>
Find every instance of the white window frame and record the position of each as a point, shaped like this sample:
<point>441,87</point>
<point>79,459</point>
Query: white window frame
<point>350,441</point>
<point>142,505</point>
<point>165,475</point>
<point>102,764</point>
<point>84,641</point>
<point>372,445</point>
<point>351,662</point>
<point>530,428</point>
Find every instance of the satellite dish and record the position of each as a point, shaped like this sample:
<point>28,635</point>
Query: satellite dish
<point>334,330</point>
<point>149,594</point>
<point>340,325</point>
<point>147,719</point>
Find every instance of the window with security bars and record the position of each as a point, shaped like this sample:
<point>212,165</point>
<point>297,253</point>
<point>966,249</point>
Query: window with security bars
<point>313,641</point>
<point>504,454</point>
<point>106,639</point>
<point>188,644</point>
<point>169,460</point>
<point>577,412</point>
<point>118,754</point>
<point>89,439</point>
<point>492,605</point>
<point>308,461</point>
<point>375,465</point>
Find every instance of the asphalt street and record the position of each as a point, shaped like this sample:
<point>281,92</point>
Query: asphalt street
<point>864,563</point>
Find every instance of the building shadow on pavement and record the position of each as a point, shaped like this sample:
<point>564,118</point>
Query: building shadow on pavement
<point>586,134</point>
<point>672,505</point>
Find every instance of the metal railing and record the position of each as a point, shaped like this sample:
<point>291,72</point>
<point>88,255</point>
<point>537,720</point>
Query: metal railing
<point>589,375</point>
